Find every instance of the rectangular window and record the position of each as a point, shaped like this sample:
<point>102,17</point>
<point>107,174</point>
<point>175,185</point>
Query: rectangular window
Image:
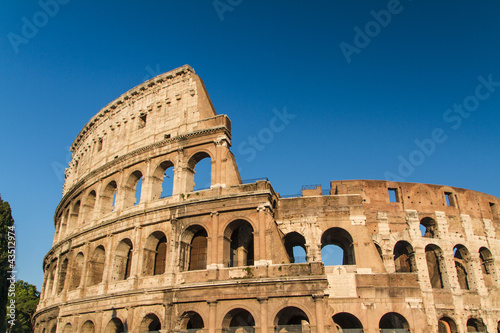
<point>393,195</point>
<point>450,200</point>
<point>142,120</point>
<point>99,145</point>
<point>494,210</point>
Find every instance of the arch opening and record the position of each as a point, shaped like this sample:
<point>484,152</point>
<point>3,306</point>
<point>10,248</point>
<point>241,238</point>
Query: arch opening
<point>404,258</point>
<point>133,189</point>
<point>393,320</point>
<point>115,325</point>
<point>76,277</point>
<point>291,319</point>
<point>476,325</point>
<point>295,246</point>
<point>191,322</point>
<point>337,247</point>
<point>155,254</point>
<point>68,328</point>
<point>75,212</point>
<point>462,260</point>
<point>150,324</point>
<point>63,270</point>
<point>428,227</point>
<point>238,244</point>
<point>88,207</point>
<point>122,262</point>
<point>487,267</point>
<point>96,266</point>
<point>88,327</point>
<point>238,321</point>
<point>435,265</point>
<point>193,248</point>
<point>163,180</point>
<point>347,323</point>
<point>199,172</point>
<point>108,198</point>
<point>447,325</point>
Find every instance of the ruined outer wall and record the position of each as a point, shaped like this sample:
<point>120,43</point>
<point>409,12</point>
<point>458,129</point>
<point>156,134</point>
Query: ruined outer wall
<point>222,258</point>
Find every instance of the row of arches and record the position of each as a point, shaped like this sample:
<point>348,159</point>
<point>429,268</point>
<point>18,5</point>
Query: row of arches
<point>137,186</point>
<point>405,262</point>
<point>349,323</point>
<point>192,254</point>
<point>337,247</point>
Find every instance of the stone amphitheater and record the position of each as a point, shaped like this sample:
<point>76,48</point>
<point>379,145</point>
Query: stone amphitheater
<point>136,250</point>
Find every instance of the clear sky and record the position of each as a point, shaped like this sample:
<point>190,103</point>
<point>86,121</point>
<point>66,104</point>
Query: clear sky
<point>404,90</point>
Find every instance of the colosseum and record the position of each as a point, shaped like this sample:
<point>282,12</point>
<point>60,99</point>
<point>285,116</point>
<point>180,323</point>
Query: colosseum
<point>137,250</point>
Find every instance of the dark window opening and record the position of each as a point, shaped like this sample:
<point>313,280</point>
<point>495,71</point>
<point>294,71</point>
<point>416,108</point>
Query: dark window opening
<point>142,120</point>
<point>450,200</point>
<point>494,210</point>
<point>393,195</point>
<point>99,144</point>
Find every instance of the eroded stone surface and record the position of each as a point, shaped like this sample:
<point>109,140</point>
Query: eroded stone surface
<point>226,258</point>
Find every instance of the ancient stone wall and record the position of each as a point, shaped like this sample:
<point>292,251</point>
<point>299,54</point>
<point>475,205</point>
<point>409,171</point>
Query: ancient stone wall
<point>367,256</point>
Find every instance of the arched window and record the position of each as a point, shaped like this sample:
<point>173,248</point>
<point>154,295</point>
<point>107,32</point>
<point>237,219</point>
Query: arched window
<point>155,254</point>
<point>404,257</point>
<point>122,262</point>
<point>291,319</point>
<point>68,328</point>
<point>462,261</point>
<point>53,329</point>
<point>88,327</point>
<point>115,325</point>
<point>379,251</point>
<point>447,325</point>
<point>133,189</point>
<point>50,283</point>
<point>62,276</point>
<point>238,320</point>
<point>64,224</point>
<point>435,265</point>
<point>76,277</point>
<point>163,180</point>
<point>204,172</point>
<point>191,322</point>
<point>347,323</point>
<point>238,244</point>
<point>295,245</point>
<point>475,325</point>
<point>337,247</point>
<point>88,207</point>
<point>487,267</point>
<point>108,197</point>
<point>193,248</point>
<point>150,323</point>
<point>428,227</point>
<point>391,321</point>
<point>75,212</point>
<point>96,266</point>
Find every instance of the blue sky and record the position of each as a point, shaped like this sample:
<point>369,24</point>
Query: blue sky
<point>352,114</point>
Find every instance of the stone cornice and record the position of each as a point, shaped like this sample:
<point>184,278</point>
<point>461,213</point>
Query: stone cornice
<point>127,96</point>
<point>70,192</point>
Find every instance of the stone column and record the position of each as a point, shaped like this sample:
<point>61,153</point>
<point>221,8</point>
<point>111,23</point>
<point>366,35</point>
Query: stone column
<point>213,261</point>
<point>318,301</point>
<point>260,241</point>
<point>263,314</point>
<point>212,315</point>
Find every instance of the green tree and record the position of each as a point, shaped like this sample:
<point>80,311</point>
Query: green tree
<point>26,299</point>
<point>6,230</point>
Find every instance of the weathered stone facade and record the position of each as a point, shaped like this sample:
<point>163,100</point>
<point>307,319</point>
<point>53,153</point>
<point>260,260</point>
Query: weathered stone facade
<point>415,257</point>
